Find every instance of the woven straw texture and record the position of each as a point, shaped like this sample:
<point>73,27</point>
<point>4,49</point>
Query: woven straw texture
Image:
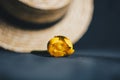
<point>73,25</point>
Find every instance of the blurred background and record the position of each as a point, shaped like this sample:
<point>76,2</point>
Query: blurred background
<point>104,28</point>
<point>97,55</point>
<point>101,43</point>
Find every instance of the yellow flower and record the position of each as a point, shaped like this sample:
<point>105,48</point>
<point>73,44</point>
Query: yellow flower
<point>60,46</point>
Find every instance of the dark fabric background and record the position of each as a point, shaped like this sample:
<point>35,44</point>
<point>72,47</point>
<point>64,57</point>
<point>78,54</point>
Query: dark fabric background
<point>104,30</point>
<point>97,55</point>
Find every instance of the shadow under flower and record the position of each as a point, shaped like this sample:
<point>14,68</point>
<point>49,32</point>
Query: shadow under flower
<point>41,53</point>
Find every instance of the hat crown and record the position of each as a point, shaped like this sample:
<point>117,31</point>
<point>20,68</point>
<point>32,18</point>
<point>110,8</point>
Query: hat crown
<point>36,11</point>
<point>46,4</point>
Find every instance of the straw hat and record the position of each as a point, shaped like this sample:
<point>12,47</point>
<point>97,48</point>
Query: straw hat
<point>70,19</point>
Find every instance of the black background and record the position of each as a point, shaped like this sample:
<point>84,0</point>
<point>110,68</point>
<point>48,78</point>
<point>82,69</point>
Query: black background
<point>104,30</point>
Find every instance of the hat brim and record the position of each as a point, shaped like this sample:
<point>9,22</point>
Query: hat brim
<point>73,25</point>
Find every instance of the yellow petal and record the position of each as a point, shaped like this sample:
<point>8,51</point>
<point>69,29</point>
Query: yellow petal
<point>60,46</point>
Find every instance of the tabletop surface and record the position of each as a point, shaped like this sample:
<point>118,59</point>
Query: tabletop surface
<point>92,64</point>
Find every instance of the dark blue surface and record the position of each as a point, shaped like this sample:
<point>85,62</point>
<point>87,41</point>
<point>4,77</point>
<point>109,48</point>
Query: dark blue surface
<point>83,65</point>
